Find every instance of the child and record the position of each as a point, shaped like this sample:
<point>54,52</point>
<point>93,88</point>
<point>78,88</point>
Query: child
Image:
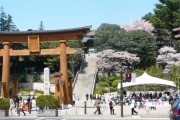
<point>21,107</point>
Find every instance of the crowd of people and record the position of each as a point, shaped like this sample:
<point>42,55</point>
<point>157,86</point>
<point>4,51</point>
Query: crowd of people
<point>134,101</point>
<point>18,104</point>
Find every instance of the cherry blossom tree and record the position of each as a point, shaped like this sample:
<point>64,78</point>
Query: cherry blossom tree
<point>168,57</point>
<point>139,25</point>
<point>111,60</point>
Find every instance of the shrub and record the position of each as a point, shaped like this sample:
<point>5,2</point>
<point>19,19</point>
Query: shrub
<point>100,90</point>
<point>44,101</point>
<point>115,83</point>
<point>40,91</point>
<point>4,103</point>
<point>25,89</point>
<point>113,89</point>
<point>102,79</point>
<point>103,84</point>
<point>110,80</point>
<point>40,80</point>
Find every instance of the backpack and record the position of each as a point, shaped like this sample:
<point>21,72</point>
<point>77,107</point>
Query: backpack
<point>29,100</point>
<point>110,103</point>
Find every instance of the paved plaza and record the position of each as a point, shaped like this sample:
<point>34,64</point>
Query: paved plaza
<point>77,113</point>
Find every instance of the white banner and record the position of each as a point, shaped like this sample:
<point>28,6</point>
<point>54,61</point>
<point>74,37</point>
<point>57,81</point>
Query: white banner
<point>151,104</point>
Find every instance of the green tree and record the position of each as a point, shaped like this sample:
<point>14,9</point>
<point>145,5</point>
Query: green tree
<point>2,19</point>
<point>109,36</point>
<point>6,22</point>
<point>148,17</point>
<point>164,19</point>
<point>143,44</point>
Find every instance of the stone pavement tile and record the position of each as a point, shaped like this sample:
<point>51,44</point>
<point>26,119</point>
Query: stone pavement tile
<point>77,112</point>
<point>160,112</point>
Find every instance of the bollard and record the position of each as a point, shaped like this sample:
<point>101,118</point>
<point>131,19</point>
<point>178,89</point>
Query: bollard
<point>85,107</point>
<point>76,110</point>
<point>66,111</point>
<point>147,110</point>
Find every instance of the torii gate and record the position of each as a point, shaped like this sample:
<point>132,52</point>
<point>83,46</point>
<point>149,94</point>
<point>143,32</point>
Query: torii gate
<point>33,38</point>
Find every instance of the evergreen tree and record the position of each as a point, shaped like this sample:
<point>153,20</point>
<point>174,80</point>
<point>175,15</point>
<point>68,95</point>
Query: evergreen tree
<point>2,19</point>
<point>6,22</point>
<point>9,26</point>
<point>165,19</point>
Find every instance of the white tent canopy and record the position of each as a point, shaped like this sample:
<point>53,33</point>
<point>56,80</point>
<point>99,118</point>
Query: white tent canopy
<point>146,79</point>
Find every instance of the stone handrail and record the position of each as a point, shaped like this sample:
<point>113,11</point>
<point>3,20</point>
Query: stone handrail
<point>75,79</point>
<point>94,81</point>
<point>81,67</point>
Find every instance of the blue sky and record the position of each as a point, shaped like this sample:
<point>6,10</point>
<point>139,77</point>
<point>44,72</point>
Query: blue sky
<point>63,14</point>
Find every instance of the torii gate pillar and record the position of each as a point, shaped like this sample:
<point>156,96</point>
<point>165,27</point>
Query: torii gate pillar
<point>63,69</point>
<point>6,69</point>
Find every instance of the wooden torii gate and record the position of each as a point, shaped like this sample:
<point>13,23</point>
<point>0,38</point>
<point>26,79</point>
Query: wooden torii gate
<point>33,38</point>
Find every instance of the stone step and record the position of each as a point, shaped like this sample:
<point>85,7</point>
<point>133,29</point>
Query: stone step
<point>84,81</point>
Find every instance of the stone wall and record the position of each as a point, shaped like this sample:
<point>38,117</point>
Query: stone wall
<point>36,86</point>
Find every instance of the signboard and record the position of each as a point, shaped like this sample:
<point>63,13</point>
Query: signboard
<point>133,77</point>
<point>33,43</point>
<point>46,81</point>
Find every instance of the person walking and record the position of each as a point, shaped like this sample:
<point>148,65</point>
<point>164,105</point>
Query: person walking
<point>96,95</point>
<point>21,107</point>
<point>33,102</point>
<point>171,101</point>
<point>103,99</point>
<point>17,103</point>
<point>109,98</point>
<point>91,97</point>
<point>97,105</point>
<point>87,97</point>
<point>11,105</point>
<point>29,104</point>
<point>111,106</point>
<point>133,105</point>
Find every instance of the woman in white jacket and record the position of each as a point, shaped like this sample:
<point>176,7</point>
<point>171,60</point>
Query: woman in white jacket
<point>133,105</point>
<point>11,105</point>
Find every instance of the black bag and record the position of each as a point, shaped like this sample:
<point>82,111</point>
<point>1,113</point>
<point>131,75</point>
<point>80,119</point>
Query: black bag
<point>110,103</point>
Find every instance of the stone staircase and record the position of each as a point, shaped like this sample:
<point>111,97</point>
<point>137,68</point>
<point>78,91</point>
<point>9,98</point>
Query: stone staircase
<point>84,82</point>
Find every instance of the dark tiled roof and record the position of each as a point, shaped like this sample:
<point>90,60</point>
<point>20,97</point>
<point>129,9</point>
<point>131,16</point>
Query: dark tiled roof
<point>85,28</point>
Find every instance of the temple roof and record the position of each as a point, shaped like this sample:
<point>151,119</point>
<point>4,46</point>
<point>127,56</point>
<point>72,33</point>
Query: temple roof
<point>85,28</point>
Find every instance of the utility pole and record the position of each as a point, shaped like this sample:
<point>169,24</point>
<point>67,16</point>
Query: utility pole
<point>121,93</point>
